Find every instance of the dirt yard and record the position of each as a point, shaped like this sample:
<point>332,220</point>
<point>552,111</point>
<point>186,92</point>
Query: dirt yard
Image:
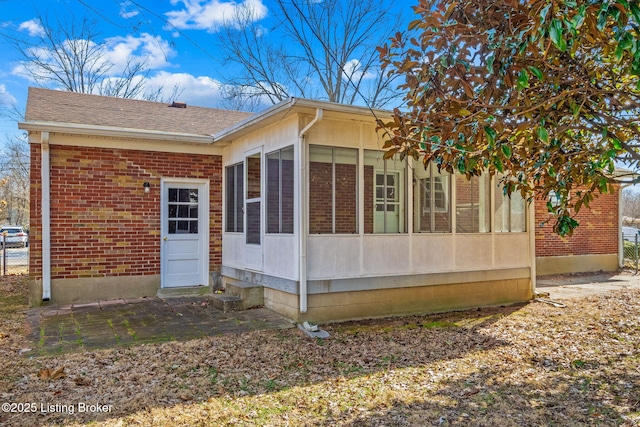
<point>527,365</point>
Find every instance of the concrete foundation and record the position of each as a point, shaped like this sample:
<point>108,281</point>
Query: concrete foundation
<point>576,264</point>
<point>355,305</point>
<point>68,291</point>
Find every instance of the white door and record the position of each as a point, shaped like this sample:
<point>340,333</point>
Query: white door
<point>386,218</point>
<point>185,233</point>
<point>253,210</point>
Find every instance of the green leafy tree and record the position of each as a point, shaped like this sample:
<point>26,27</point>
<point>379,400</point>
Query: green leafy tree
<point>546,93</point>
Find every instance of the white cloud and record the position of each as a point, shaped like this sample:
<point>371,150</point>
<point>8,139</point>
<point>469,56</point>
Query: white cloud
<point>212,14</point>
<point>353,71</point>
<point>201,91</point>
<point>115,51</point>
<point>33,27</point>
<point>152,49</point>
<point>6,98</point>
<point>127,11</point>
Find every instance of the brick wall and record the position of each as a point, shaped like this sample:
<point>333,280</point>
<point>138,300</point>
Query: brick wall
<point>102,221</point>
<point>320,198</point>
<point>596,235</point>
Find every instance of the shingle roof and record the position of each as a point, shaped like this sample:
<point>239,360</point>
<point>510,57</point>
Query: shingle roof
<point>45,105</point>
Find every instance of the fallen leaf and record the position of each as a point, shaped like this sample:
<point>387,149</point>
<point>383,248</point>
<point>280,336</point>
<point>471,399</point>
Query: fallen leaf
<point>48,374</point>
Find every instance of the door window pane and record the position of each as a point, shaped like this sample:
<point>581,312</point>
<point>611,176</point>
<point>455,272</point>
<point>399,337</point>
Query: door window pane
<point>253,223</point>
<point>253,176</point>
<point>182,209</point>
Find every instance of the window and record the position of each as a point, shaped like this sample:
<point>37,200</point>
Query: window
<point>473,207</point>
<point>183,211</point>
<point>333,190</point>
<point>385,186</point>
<point>439,202</point>
<point>431,199</point>
<point>235,198</point>
<point>280,191</point>
<point>510,212</point>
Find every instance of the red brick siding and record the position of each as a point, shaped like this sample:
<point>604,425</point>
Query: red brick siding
<point>369,202</point>
<point>102,221</point>
<point>596,235</point>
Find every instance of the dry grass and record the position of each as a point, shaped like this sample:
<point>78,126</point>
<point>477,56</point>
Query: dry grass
<point>511,366</point>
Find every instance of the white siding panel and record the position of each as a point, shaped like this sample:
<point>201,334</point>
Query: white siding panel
<point>280,256</point>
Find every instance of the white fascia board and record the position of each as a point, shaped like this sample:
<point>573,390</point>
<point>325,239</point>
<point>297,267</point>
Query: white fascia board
<point>116,132</point>
<point>293,105</point>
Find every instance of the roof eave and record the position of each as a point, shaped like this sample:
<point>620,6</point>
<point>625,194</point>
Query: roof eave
<point>115,132</point>
<point>225,136</point>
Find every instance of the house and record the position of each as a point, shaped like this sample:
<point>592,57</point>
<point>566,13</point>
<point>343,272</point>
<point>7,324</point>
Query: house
<point>133,198</point>
<point>596,245</point>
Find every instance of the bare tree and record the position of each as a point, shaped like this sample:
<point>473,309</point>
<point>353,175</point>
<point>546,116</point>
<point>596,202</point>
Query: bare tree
<point>318,49</point>
<point>14,181</point>
<point>630,207</point>
<point>69,55</point>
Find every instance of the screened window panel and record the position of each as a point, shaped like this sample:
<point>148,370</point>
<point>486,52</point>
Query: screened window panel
<point>234,198</point>
<point>280,200</point>
<point>333,192</point>
<point>510,211</point>
<point>473,204</point>
<point>431,199</point>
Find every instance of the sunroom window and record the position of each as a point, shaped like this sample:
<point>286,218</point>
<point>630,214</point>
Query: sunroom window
<point>473,204</point>
<point>333,190</point>
<point>510,212</point>
<point>234,198</point>
<point>280,191</point>
<point>431,199</point>
<point>385,189</point>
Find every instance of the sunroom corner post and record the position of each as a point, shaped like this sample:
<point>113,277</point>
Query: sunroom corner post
<point>531,223</point>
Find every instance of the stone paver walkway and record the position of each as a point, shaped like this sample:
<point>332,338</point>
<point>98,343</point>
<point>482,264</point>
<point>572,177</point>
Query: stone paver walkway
<point>108,324</point>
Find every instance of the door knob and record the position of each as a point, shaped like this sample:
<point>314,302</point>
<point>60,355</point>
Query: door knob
<point>166,238</point>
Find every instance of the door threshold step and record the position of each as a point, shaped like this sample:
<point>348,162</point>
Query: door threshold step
<point>186,291</point>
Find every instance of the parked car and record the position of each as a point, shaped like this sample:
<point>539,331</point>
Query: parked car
<point>15,236</point>
<point>629,233</point>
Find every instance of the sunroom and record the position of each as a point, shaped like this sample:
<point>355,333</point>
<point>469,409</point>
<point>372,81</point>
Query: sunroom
<point>332,231</point>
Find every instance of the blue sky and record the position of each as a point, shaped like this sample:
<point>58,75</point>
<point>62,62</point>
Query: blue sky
<point>177,37</point>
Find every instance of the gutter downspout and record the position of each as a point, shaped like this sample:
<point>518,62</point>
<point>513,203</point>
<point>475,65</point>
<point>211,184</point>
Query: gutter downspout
<point>302,202</point>
<point>46,216</point>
